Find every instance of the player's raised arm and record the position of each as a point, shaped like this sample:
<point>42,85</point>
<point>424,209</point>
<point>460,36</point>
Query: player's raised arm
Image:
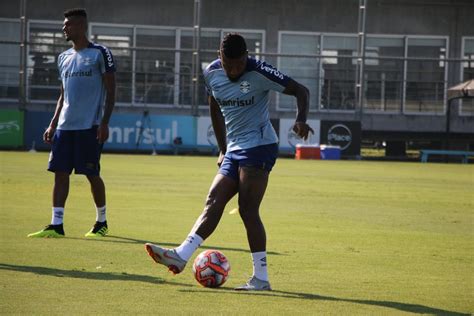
<point>302,101</point>
<point>218,124</point>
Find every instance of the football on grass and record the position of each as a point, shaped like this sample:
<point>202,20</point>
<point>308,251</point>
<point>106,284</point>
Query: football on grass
<point>211,268</point>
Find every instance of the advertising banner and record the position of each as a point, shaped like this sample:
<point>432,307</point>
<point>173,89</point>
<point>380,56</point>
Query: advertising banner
<point>11,128</point>
<point>146,132</point>
<point>35,125</point>
<point>205,133</point>
<point>126,131</point>
<point>345,134</point>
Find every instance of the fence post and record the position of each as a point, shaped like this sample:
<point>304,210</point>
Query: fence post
<point>23,62</point>
<point>359,87</point>
<point>196,64</point>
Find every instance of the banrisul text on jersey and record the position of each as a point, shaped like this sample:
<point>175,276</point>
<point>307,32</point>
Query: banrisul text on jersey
<point>236,102</point>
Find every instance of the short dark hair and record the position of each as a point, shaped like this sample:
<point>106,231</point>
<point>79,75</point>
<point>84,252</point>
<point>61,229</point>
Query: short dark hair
<point>75,12</point>
<point>233,45</point>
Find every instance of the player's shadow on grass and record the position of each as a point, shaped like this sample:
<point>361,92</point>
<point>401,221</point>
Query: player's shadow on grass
<point>81,274</point>
<point>405,307</point>
<point>127,240</point>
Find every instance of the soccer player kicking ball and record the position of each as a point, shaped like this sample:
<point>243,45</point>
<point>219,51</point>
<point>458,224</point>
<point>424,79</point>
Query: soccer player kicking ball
<point>78,128</point>
<point>238,87</point>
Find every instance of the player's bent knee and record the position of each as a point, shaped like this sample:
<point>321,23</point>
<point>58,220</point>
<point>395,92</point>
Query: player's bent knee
<point>249,215</point>
<point>215,200</point>
<point>213,204</point>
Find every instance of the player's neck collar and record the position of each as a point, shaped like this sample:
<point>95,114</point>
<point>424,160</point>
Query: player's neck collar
<point>82,45</point>
<point>251,62</point>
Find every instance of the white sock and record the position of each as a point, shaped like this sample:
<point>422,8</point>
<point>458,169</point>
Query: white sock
<point>57,216</point>
<point>260,265</point>
<point>189,245</point>
<point>100,215</point>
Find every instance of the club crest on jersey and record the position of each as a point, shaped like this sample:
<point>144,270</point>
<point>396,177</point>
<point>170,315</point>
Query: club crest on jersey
<point>245,87</point>
<point>87,61</point>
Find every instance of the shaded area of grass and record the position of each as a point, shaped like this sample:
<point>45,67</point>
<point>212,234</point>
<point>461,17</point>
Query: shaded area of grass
<point>405,307</point>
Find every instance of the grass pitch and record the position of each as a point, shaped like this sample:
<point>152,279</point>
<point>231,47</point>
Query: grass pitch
<point>344,237</point>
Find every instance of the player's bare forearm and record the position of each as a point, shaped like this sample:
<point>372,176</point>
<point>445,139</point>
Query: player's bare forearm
<point>59,107</point>
<point>301,93</point>
<point>49,132</point>
<point>57,111</point>
<point>103,129</point>
<point>108,109</point>
<point>302,101</point>
<point>218,124</point>
<point>109,82</point>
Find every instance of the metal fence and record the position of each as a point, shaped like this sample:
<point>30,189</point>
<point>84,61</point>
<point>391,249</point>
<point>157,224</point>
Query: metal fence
<point>155,71</point>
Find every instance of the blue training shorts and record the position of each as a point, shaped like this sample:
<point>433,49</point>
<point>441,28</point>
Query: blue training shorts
<point>262,157</point>
<point>78,150</point>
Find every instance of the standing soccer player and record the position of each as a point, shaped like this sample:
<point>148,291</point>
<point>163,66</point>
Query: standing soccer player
<point>238,94</point>
<point>79,126</point>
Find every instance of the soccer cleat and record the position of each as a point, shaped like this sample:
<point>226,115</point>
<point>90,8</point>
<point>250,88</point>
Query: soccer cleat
<point>166,257</point>
<point>50,231</point>
<point>254,284</point>
<point>100,229</point>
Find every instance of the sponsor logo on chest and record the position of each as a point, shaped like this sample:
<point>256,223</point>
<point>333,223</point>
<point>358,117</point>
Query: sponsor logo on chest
<point>236,102</point>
